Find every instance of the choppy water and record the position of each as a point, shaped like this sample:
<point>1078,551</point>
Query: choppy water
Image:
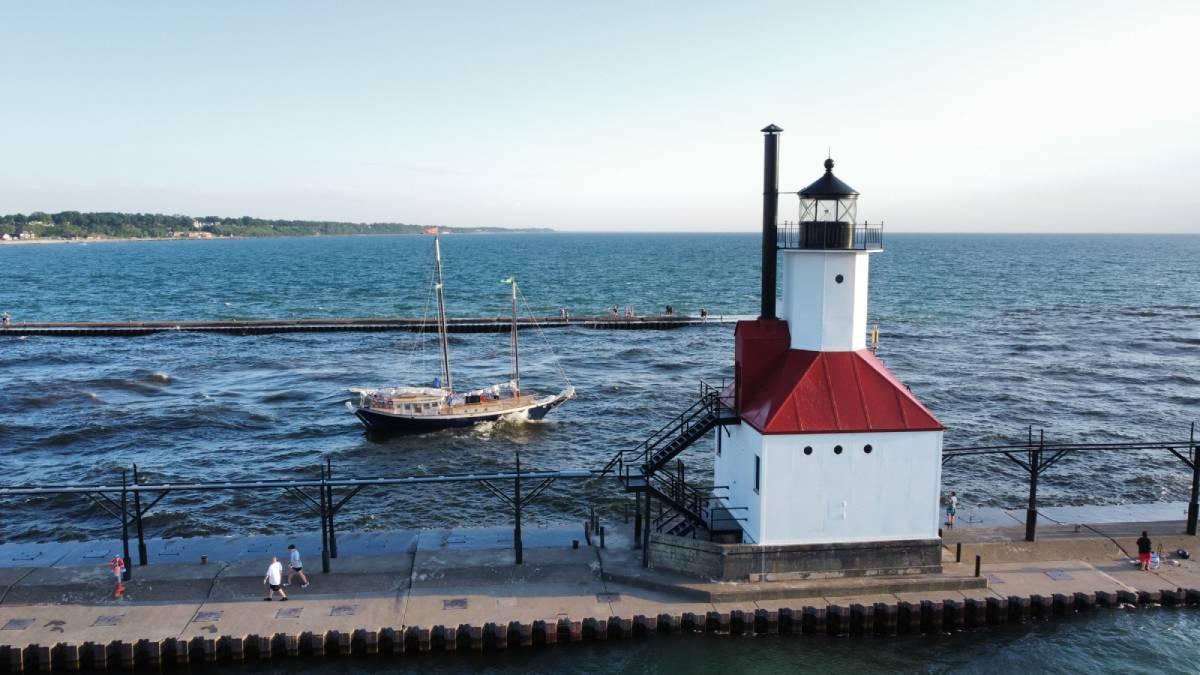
<point>1094,337</point>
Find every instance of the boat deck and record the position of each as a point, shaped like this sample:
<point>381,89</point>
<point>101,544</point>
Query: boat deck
<point>481,408</point>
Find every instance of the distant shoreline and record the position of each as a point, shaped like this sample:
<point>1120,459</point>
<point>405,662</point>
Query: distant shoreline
<point>114,240</point>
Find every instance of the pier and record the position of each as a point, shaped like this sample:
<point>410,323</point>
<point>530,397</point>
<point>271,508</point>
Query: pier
<point>399,593</point>
<point>498,324</point>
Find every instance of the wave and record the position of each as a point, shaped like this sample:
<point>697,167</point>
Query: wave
<point>1030,347</point>
<point>140,386</point>
<point>294,395</point>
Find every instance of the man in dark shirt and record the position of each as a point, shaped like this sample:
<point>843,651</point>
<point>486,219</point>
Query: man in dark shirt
<point>1144,551</point>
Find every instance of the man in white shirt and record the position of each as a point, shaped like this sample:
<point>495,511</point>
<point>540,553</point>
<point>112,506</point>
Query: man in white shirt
<point>274,580</point>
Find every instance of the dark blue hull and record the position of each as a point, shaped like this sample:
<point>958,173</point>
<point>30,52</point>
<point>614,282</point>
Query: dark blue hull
<point>385,424</point>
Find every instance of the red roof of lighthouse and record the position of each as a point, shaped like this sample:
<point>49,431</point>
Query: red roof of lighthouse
<point>791,391</point>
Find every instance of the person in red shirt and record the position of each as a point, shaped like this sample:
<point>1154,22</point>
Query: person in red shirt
<point>1144,551</point>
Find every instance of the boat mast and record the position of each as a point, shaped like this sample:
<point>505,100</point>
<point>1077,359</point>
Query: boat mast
<point>447,382</point>
<point>516,365</point>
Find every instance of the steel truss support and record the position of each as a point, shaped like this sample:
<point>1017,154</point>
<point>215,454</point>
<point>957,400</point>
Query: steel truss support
<point>1192,460</point>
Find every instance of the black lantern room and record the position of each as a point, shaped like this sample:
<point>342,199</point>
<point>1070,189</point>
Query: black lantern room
<point>829,217</point>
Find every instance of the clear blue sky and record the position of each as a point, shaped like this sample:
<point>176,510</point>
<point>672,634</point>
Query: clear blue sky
<point>1000,116</point>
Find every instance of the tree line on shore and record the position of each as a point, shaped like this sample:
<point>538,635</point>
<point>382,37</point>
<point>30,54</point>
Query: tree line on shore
<point>74,224</point>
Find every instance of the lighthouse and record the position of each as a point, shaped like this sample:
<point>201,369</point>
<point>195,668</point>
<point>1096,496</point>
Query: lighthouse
<point>835,466</point>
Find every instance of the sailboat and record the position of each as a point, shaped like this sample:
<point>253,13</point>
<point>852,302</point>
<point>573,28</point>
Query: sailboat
<point>396,410</point>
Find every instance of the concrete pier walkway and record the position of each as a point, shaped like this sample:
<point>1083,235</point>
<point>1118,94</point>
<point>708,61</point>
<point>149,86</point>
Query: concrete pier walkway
<point>393,592</point>
<point>370,325</point>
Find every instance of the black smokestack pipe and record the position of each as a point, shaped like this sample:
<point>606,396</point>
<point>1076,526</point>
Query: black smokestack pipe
<point>770,213</point>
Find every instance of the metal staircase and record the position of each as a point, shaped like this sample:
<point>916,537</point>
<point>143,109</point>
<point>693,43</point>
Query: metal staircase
<point>690,509</point>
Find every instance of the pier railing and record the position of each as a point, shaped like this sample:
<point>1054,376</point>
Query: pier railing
<point>124,499</point>
<point>1036,456</point>
<point>128,501</point>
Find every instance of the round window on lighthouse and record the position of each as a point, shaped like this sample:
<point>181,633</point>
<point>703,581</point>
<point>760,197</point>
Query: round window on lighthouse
<point>837,449</point>
<point>808,449</point>
<point>867,448</point>
<point>839,278</point>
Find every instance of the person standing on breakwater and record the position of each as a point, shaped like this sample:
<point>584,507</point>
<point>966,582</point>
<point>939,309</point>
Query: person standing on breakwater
<point>4,316</point>
<point>703,315</point>
<point>1144,547</point>
<point>297,567</point>
<point>274,581</point>
<point>951,508</point>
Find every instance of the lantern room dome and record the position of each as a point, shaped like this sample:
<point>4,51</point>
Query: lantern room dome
<point>828,186</point>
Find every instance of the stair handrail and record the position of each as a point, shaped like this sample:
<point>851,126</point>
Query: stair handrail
<point>711,402</point>
<point>680,495</point>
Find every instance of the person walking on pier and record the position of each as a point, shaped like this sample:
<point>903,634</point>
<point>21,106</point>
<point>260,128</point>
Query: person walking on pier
<point>951,508</point>
<point>296,566</point>
<point>117,565</point>
<point>1144,548</point>
<point>274,580</point>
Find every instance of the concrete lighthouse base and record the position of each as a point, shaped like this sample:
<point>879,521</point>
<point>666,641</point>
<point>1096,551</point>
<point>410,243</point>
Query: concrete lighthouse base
<point>742,562</point>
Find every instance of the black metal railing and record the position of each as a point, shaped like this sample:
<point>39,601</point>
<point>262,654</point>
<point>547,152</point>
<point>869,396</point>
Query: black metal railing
<point>830,235</point>
<point>710,409</point>
<point>1035,456</point>
<point>685,499</point>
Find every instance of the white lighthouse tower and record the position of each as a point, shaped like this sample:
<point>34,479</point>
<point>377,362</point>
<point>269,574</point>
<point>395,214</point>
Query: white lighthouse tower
<point>835,466</point>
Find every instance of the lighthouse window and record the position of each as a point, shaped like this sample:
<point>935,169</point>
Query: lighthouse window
<point>837,449</point>
<point>839,278</point>
<point>757,472</point>
<point>867,448</point>
<point>808,449</point>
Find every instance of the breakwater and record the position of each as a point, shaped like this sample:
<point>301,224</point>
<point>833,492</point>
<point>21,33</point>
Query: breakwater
<point>370,325</point>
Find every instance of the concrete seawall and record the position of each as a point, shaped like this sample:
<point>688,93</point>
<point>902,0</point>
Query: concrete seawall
<point>404,592</point>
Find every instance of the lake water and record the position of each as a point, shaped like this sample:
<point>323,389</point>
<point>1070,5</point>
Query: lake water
<point>1091,337</point>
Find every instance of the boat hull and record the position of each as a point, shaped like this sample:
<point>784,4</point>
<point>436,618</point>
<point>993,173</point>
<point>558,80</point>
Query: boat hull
<point>381,422</point>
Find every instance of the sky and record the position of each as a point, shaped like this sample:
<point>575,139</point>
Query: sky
<point>947,116</point>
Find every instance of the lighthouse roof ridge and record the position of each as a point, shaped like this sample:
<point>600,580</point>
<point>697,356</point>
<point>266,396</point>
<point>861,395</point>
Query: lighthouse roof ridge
<point>829,186</point>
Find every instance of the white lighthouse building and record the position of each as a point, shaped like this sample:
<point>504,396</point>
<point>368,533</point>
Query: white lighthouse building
<point>835,466</point>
